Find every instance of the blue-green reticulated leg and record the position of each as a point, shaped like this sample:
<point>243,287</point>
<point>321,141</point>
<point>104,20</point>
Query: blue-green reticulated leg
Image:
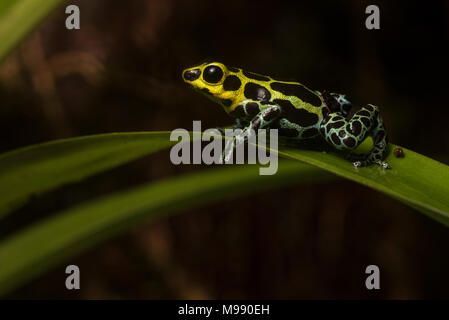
<point>345,104</point>
<point>346,134</point>
<point>336,102</point>
<point>262,120</point>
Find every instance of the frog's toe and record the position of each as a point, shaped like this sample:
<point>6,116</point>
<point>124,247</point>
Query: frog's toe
<point>384,164</point>
<point>357,164</point>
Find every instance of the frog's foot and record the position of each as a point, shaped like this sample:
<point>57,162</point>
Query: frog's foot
<point>228,151</point>
<point>365,163</point>
<point>363,160</point>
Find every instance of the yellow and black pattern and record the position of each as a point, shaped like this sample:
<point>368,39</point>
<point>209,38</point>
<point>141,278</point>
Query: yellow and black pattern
<point>259,102</point>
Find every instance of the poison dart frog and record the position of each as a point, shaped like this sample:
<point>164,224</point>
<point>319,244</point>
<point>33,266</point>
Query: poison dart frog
<point>263,102</point>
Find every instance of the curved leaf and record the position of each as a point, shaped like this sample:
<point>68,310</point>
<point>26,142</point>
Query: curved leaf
<point>42,167</point>
<point>39,247</point>
<point>18,17</point>
<point>416,180</point>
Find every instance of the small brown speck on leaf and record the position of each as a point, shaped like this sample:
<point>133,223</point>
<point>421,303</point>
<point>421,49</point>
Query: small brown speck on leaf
<point>398,152</point>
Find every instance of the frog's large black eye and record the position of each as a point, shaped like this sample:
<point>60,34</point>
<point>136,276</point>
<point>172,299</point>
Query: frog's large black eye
<point>212,74</point>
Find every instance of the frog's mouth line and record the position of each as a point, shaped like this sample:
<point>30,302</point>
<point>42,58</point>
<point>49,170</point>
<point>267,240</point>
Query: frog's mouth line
<point>206,93</point>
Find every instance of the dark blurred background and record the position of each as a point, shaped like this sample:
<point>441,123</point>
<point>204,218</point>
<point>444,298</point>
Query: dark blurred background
<point>121,72</point>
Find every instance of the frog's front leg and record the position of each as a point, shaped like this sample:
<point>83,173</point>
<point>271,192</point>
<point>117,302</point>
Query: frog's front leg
<point>346,134</point>
<point>267,114</point>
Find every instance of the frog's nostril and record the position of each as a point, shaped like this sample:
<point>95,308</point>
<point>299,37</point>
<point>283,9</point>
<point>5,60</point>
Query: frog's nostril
<point>191,75</point>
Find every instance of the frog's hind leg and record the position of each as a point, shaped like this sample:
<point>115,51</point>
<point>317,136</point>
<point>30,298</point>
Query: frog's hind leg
<point>336,102</point>
<point>346,134</point>
<point>345,104</point>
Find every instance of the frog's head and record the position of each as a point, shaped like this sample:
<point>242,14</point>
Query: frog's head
<point>212,79</point>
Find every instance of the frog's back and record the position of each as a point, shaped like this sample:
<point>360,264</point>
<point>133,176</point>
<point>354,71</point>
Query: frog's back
<point>234,88</point>
<point>289,94</point>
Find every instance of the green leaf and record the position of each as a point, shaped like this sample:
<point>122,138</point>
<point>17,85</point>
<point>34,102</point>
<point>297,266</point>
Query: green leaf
<point>416,180</point>
<point>18,18</point>
<point>35,169</point>
<point>39,247</point>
